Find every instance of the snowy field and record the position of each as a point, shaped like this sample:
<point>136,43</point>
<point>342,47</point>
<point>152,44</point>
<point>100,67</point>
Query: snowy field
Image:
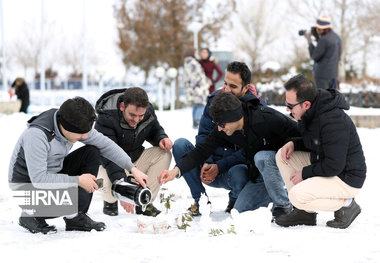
<point>121,242</point>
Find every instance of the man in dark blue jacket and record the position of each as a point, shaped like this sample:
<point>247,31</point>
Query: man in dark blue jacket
<point>226,167</point>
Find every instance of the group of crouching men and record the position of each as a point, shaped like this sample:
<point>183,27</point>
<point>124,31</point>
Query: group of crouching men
<point>313,162</point>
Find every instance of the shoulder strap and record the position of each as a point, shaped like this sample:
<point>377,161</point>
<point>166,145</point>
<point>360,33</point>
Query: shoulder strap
<point>49,134</point>
<point>49,130</point>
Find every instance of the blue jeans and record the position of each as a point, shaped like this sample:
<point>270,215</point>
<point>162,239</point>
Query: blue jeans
<point>234,179</point>
<point>197,112</point>
<point>253,196</point>
<point>265,161</point>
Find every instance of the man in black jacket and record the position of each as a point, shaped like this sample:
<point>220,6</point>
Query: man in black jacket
<point>127,117</point>
<point>325,168</point>
<point>22,93</point>
<point>248,124</point>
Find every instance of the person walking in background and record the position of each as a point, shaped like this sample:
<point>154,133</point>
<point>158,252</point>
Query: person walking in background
<point>209,67</point>
<point>326,54</point>
<point>196,84</point>
<point>22,92</point>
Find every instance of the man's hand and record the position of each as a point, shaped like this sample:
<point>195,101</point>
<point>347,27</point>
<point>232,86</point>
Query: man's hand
<point>166,144</point>
<point>209,172</point>
<point>167,175</point>
<point>286,151</point>
<point>87,182</point>
<point>129,208</point>
<point>296,178</point>
<point>308,37</point>
<point>139,176</point>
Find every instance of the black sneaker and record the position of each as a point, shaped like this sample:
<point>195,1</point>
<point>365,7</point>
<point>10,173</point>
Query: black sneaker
<point>281,210</point>
<point>194,208</point>
<point>110,209</point>
<point>345,216</point>
<point>36,225</point>
<point>230,205</point>
<point>83,222</point>
<point>297,217</point>
<point>150,210</point>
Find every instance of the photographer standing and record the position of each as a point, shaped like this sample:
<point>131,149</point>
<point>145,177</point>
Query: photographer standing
<point>326,54</point>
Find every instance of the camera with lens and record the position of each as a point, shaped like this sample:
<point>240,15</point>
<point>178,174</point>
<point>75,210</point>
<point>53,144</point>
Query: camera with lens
<point>313,32</point>
<point>131,192</point>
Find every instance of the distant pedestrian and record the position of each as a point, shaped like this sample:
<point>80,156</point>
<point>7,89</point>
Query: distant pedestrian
<point>196,83</point>
<point>209,67</point>
<point>22,93</point>
<point>326,54</point>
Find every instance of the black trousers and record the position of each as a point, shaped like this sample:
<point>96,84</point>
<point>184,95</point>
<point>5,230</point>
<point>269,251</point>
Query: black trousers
<point>83,160</point>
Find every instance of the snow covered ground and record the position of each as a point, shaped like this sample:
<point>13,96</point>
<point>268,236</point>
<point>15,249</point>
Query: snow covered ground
<point>121,241</point>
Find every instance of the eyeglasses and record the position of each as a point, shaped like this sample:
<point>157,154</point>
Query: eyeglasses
<point>222,125</point>
<point>291,106</point>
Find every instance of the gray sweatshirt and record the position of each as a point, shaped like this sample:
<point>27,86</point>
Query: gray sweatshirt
<point>38,155</point>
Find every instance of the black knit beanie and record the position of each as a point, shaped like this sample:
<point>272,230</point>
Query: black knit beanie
<point>76,115</point>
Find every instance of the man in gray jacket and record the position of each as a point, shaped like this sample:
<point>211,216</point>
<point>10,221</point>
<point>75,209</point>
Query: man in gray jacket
<point>326,54</point>
<point>41,156</point>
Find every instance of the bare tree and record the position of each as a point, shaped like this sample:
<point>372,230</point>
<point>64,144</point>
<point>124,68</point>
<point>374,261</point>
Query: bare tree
<point>71,54</point>
<point>257,30</point>
<point>26,49</point>
<point>369,25</point>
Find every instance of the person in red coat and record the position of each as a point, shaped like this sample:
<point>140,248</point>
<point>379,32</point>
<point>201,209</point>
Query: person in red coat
<point>209,67</point>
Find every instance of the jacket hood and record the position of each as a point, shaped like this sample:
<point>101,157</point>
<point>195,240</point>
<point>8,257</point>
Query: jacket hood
<point>109,101</point>
<point>325,101</point>
<point>250,98</point>
<point>43,120</point>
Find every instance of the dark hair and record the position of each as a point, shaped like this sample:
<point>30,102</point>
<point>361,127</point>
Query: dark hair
<point>222,103</point>
<point>136,96</point>
<point>78,113</point>
<point>189,52</point>
<point>208,52</point>
<point>21,80</point>
<point>242,69</point>
<point>325,31</point>
<point>304,87</point>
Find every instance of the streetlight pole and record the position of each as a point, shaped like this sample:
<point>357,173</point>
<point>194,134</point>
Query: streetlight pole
<point>3,62</point>
<point>42,53</point>
<point>84,75</point>
<point>172,74</point>
<point>160,73</point>
<point>195,27</point>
